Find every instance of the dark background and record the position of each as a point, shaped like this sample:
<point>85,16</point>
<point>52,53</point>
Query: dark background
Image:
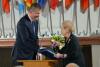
<point>5,56</point>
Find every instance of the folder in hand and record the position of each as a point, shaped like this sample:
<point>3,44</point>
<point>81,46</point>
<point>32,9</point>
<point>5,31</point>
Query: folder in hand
<point>47,52</point>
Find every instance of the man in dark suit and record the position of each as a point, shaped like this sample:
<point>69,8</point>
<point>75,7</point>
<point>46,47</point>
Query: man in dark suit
<point>26,45</point>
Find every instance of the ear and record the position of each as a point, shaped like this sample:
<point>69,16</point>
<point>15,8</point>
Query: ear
<point>31,11</point>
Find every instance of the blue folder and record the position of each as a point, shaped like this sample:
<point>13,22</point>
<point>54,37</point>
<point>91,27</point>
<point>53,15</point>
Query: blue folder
<point>47,52</point>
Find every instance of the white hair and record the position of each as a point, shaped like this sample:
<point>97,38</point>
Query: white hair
<point>72,65</point>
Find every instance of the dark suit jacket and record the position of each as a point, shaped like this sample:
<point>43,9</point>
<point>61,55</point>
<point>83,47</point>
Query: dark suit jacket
<point>73,51</point>
<point>26,45</point>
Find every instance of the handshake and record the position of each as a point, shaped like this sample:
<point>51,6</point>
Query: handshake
<point>51,53</point>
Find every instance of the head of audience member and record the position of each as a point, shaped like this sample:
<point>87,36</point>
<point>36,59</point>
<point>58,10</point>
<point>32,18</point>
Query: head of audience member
<point>72,65</point>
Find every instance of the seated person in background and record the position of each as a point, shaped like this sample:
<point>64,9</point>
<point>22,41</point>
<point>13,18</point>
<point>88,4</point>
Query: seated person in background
<point>71,49</point>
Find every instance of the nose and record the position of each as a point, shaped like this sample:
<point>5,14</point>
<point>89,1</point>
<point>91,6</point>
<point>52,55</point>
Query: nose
<point>38,13</point>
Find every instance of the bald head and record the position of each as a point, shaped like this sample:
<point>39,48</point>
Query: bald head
<point>72,65</point>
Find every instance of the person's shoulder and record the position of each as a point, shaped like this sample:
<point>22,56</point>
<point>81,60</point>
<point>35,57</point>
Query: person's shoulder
<point>74,40</point>
<point>22,20</point>
<point>74,37</point>
<point>25,17</point>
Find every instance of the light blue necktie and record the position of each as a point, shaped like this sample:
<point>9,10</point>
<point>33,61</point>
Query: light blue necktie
<point>33,26</point>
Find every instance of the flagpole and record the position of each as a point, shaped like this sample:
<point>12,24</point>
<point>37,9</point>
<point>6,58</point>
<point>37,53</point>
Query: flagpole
<point>0,21</point>
<point>88,28</point>
<point>39,27</point>
<point>88,20</point>
<point>25,9</point>
<point>47,23</point>
<point>50,18</point>
<point>12,23</point>
<point>99,17</point>
<point>62,10</point>
<point>3,30</point>
<point>75,16</point>
<point>13,16</point>
<point>85,33</point>
<point>62,13</point>
<point>60,19</point>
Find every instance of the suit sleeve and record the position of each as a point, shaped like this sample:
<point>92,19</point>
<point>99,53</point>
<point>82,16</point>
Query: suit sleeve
<point>24,34</point>
<point>72,49</point>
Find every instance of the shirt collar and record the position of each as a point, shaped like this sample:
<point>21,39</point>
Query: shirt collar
<point>29,18</point>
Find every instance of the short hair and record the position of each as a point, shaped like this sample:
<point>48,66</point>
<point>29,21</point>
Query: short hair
<point>68,24</point>
<point>34,6</point>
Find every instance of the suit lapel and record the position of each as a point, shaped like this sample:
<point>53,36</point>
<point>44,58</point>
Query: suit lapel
<point>36,27</point>
<point>28,24</point>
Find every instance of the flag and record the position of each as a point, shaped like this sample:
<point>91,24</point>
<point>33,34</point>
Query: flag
<point>20,5</point>
<point>29,2</point>
<point>54,4</point>
<point>96,4</point>
<point>68,3</point>
<point>6,6</point>
<point>45,11</point>
<point>84,4</point>
<point>42,3</point>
